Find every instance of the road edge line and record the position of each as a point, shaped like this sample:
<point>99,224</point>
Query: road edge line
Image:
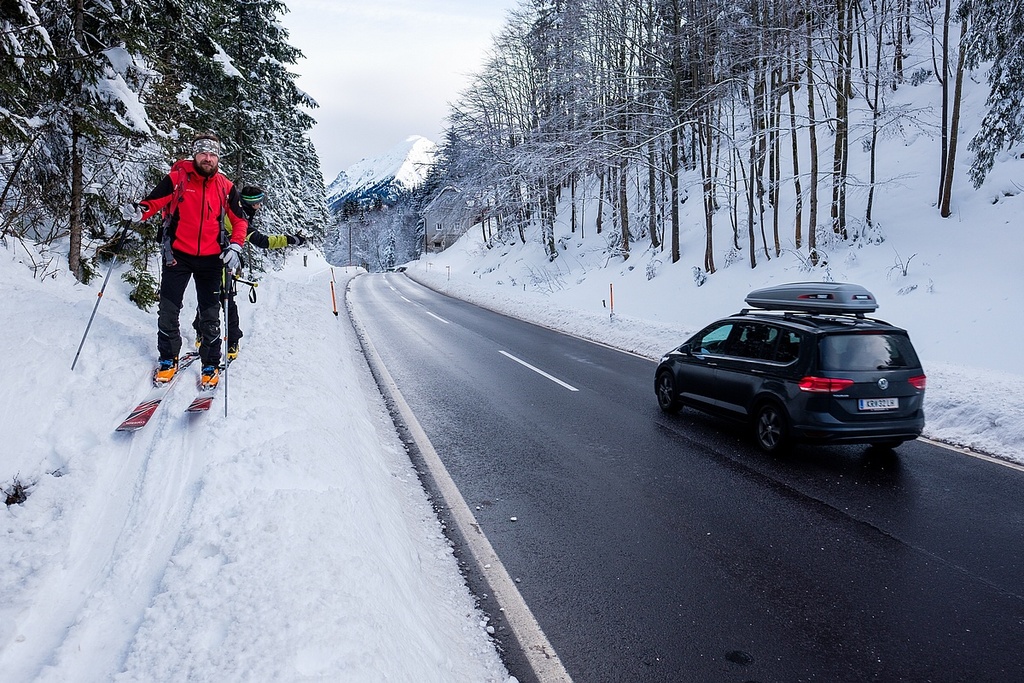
<point>972,453</point>
<point>538,651</point>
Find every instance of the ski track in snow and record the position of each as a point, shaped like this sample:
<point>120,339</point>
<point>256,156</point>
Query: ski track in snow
<point>100,592</point>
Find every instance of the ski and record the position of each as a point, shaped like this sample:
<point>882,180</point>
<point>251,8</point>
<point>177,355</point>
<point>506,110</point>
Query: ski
<point>202,402</point>
<point>140,415</point>
<point>204,399</point>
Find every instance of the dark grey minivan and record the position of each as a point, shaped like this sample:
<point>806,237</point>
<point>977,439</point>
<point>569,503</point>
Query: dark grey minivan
<point>809,367</point>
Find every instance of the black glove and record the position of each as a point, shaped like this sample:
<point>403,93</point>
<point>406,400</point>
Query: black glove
<point>296,240</point>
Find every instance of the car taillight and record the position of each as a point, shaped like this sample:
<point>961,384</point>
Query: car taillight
<point>824,385</point>
<point>918,382</point>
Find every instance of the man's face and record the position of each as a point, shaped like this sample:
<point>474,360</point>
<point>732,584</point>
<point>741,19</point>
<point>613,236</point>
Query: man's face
<point>206,163</point>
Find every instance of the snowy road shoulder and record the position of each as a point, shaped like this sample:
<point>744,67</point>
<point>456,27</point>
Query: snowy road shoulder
<point>290,539</point>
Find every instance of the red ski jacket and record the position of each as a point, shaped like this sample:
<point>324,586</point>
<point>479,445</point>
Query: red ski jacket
<point>195,206</point>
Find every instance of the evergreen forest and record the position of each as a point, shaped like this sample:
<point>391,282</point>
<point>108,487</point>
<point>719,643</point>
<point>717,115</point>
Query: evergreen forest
<point>99,97</point>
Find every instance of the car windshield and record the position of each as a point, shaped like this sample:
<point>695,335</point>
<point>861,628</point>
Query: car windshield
<point>855,352</point>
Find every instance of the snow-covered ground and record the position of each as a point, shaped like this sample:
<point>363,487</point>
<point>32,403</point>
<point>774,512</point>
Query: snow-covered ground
<point>289,540</point>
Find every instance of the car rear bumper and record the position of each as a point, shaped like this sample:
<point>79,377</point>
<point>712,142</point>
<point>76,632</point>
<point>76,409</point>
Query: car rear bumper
<point>831,431</point>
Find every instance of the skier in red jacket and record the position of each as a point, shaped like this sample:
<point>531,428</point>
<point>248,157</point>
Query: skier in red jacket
<point>195,198</point>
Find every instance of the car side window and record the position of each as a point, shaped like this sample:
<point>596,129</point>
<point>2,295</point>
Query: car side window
<point>713,340</point>
<point>789,347</point>
<point>753,340</point>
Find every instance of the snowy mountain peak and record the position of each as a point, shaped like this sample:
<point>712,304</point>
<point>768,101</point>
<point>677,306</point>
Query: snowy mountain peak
<point>401,169</point>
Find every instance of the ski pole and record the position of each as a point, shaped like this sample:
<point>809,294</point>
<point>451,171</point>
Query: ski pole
<point>99,296</point>
<point>227,287</point>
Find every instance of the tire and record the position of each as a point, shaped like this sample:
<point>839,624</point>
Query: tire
<point>668,397</point>
<point>771,427</point>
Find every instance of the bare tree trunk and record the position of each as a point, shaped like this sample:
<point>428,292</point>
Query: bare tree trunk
<point>706,159</point>
<point>583,206</point>
<point>797,189</point>
<point>572,203</point>
<point>944,135</point>
<point>652,197</point>
<point>77,172</point>
<point>624,204</point>
<point>954,124</point>
<point>840,155</point>
<point>751,196</point>
<point>77,166</point>
<point>673,183</point>
<point>758,155</point>
<point>897,36</point>
<point>812,136</point>
<point>873,95</point>
<point>549,203</point>
<point>774,155</point>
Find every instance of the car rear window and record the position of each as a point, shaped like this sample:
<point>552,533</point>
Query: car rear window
<point>867,351</point>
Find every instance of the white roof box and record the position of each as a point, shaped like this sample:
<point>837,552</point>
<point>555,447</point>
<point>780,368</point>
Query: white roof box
<point>814,297</point>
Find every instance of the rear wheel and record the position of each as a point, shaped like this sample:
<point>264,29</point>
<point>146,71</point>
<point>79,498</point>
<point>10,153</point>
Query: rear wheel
<point>771,427</point>
<point>665,388</point>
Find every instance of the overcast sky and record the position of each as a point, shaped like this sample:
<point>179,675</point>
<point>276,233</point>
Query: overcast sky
<point>383,70</point>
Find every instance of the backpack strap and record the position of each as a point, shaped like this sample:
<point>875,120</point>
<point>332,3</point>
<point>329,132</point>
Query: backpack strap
<point>172,208</point>
<point>225,190</point>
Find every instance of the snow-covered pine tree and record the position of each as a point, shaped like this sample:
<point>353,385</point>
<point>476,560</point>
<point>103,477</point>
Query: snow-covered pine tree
<point>263,117</point>
<point>70,174</point>
<point>25,53</point>
<point>994,31</point>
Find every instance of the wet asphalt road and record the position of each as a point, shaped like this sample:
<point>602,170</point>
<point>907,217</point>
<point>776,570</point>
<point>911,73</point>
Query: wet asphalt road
<point>667,548</point>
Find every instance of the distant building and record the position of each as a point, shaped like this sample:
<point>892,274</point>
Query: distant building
<point>447,217</point>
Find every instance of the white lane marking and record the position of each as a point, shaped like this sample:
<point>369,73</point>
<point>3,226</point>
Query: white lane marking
<point>438,317</point>
<point>539,371</point>
<point>446,322</point>
<point>540,655</point>
<point>973,454</point>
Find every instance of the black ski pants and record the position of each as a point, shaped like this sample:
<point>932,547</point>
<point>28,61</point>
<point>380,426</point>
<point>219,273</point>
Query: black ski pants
<point>234,331</point>
<point>207,272</point>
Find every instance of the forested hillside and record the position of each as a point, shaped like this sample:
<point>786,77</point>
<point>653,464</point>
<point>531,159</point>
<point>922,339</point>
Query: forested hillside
<point>757,110</point>
<point>97,99</point>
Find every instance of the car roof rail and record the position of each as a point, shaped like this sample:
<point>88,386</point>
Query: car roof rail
<point>833,316</point>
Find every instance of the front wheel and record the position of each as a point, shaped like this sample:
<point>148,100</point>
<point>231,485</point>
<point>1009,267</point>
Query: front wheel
<point>771,428</point>
<point>665,388</point>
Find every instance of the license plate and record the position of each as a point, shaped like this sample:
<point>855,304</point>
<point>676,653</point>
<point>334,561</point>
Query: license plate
<point>878,404</point>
